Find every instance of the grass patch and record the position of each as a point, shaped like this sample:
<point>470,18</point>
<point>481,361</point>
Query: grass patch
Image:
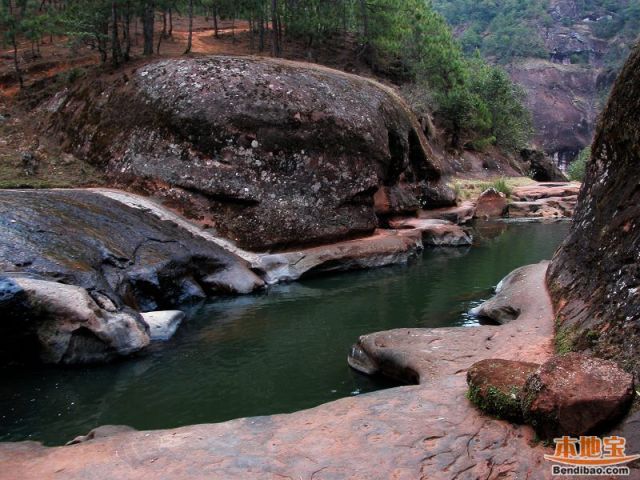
<point>501,185</point>
<point>471,189</point>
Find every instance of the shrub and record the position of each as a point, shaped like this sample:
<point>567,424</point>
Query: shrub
<point>501,185</point>
<point>577,169</point>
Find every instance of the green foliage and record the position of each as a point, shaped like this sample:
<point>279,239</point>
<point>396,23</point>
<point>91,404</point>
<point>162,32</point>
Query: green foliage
<point>577,168</point>
<point>494,401</point>
<point>500,185</point>
<point>511,29</point>
<point>564,340</point>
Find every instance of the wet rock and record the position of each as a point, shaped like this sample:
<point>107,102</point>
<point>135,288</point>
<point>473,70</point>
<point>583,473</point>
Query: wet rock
<point>435,233</point>
<point>496,386</point>
<point>491,204</point>
<point>541,167</point>
<point>386,247</point>
<point>163,325</point>
<point>270,153</point>
<point>114,259</point>
<point>104,431</point>
<point>504,306</point>
<point>594,277</point>
<point>459,215</point>
<point>71,327</point>
<point>575,394</point>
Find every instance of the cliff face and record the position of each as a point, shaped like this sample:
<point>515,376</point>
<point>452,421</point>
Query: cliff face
<point>594,278</point>
<point>565,53</point>
<point>565,90</point>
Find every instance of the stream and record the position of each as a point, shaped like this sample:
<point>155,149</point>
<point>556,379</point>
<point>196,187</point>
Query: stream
<point>274,352</point>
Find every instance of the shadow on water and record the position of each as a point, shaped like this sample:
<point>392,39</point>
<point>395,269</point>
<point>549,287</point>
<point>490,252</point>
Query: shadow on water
<point>275,352</point>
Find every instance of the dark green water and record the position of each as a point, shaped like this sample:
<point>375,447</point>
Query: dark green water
<point>275,352</point>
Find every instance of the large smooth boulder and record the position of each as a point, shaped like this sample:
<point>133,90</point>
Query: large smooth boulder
<point>270,153</point>
<point>575,394</point>
<point>594,278</point>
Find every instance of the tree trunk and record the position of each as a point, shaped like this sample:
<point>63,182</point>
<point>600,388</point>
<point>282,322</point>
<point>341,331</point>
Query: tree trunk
<point>275,41</point>
<point>127,32</point>
<point>147,27</point>
<point>16,62</point>
<point>190,38</point>
<point>261,44</point>
<point>170,22</point>
<point>215,21</point>
<point>116,52</point>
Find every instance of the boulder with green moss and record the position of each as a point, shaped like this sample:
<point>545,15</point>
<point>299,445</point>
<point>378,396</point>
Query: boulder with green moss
<point>495,386</point>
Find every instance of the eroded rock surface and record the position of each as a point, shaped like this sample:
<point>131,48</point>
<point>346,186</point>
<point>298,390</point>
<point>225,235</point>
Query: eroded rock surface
<point>268,152</point>
<point>595,275</point>
<point>552,201</point>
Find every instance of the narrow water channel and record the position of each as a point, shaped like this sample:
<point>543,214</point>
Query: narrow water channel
<point>275,352</point>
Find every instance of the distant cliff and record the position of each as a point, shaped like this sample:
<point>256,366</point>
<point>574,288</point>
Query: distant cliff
<point>566,54</point>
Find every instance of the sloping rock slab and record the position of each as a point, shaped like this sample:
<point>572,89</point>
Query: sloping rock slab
<point>386,247</point>
<point>460,215</point>
<point>115,251</point>
<point>575,394</point>
<point>513,291</point>
<point>435,233</point>
<point>430,431</point>
<point>530,193</point>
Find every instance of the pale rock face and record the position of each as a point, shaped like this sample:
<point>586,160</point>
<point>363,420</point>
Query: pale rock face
<point>163,325</point>
<point>72,328</point>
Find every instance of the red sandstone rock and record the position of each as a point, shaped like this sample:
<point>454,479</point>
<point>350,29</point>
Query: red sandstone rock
<point>496,386</point>
<point>575,394</point>
<point>491,204</point>
<point>460,214</point>
<point>437,233</point>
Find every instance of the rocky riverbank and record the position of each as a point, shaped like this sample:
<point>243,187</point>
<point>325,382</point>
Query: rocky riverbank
<point>426,431</point>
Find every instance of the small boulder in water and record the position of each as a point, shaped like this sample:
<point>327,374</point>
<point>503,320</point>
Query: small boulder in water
<point>163,325</point>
